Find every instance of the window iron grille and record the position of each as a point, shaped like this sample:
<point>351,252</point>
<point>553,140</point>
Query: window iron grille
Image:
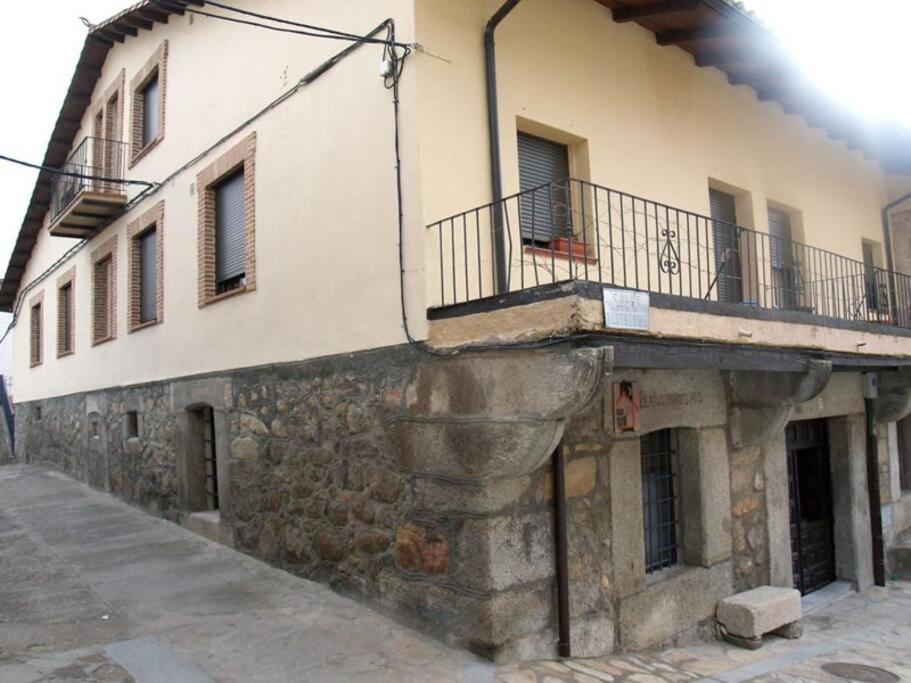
<point>660,506</point>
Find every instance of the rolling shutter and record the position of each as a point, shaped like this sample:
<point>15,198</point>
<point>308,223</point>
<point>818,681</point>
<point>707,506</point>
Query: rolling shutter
<point>544,214</point>
<point>727,247</point>
<point>781,257</point>
<point>150,112</point>
<point>148,276</point>
<point>230,229</point>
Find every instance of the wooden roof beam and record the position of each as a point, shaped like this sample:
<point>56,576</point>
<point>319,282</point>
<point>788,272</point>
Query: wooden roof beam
<point>675,37</point>
<point>137,21</point>
<point>101,40</point>
<point>153,14</point>
<point>109,34</point>
<point>123,29</point>
<point>624,14</point>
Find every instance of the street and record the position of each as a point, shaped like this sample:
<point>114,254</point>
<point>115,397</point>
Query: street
<point>92,589</point>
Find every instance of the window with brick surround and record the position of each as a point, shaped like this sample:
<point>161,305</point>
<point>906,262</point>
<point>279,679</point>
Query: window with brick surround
<point>104,292</point>
<point>226,224</point>
<point>660,500</point>
<point>145,298</point>
<point>66,313</point>
<point>147,113</point>
<point>36,330</point>
<point>107,127</point>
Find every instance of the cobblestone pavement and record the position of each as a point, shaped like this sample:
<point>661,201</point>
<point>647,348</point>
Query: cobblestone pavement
<point>94,590</point>
<point>871,629</point>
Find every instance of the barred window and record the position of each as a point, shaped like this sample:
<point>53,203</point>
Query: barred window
<point>659,499</point>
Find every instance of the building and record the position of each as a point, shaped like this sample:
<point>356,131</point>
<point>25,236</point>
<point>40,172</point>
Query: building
<point>575,418</point>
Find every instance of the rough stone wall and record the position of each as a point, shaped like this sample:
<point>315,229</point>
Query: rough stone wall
<point>317,486</point>
<point>313,488</point>
<point>7,456</point>
<point>749,519</point>
<point>141,470</point>
<point>54,437</point>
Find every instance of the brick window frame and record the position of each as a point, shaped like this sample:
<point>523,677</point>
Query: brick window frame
<point>240,157</point>
<point>104,312</point>
<point>157,65</point>
<point>108,128</point>
<point>66,329</point>
<point>36,329</point>
<point>153,219</point>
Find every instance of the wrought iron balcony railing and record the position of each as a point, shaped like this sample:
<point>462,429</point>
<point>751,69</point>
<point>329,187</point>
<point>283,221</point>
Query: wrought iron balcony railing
<point>88,187</point>
<point>574,229</point>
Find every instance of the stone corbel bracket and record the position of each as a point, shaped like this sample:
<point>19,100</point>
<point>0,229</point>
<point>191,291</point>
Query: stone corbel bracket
<point>894,402</point>
<point>493,415</point>
<point>761,403</point>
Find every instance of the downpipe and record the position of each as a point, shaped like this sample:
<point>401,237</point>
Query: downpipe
<point>560,554</point>
<point>493,122</point>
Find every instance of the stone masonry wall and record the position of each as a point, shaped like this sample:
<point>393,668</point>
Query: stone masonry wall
<point>317,486</point>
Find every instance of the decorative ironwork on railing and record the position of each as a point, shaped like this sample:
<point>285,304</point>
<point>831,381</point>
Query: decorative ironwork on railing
<point>576,230</point>
<point>94,159</point>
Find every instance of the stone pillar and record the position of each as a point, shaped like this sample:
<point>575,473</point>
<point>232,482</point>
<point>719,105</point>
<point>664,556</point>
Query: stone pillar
<point>778,501</point>
<point>474,556</point>
<point>850,501</point>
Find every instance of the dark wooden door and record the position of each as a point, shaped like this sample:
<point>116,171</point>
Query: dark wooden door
<point>810,483</point>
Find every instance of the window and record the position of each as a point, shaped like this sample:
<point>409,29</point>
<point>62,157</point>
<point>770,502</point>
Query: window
<point>230,237</point>
<point>726,238</point>
<point>148,105</point>
<point>107,131</point>
<point>226,228</point>
<point>783,263</point>
<point>904,453</point>
<point>150,111</point>
<point>659,499</point>
<point>104,292</point>
<point>131,430</point>
<point>145,264</point>
<point>36,330</point>
<point>36,413</point>
<point>65,313</point>
<point>874,279</point>
<point>545,204</point>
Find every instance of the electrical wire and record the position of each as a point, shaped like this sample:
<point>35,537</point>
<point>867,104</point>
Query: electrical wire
<point>330,35</point>
<point>57,171</point>
<point>279,20</point>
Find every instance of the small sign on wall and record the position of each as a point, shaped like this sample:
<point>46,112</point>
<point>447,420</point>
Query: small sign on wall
<point>627,400</point>
<point>625,309</point>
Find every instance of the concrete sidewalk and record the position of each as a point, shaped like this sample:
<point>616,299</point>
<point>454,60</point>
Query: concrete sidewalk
<point>92,589</point>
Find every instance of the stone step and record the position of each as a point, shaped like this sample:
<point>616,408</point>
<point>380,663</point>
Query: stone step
<point>208,524</point>
<point>898,560</point>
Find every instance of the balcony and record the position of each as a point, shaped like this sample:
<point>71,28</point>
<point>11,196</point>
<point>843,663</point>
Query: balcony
<point>86,192</point>
<point>576,231</point>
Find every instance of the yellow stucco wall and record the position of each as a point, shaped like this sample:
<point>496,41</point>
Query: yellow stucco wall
<point>326,231</point>
<point>643,119</point>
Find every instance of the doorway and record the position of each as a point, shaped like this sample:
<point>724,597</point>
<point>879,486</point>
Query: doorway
<point>202,461</point>
<point>726,237</point>
<point>812,522</point>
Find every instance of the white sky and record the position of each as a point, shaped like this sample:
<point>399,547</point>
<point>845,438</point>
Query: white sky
<point>856,50</point>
